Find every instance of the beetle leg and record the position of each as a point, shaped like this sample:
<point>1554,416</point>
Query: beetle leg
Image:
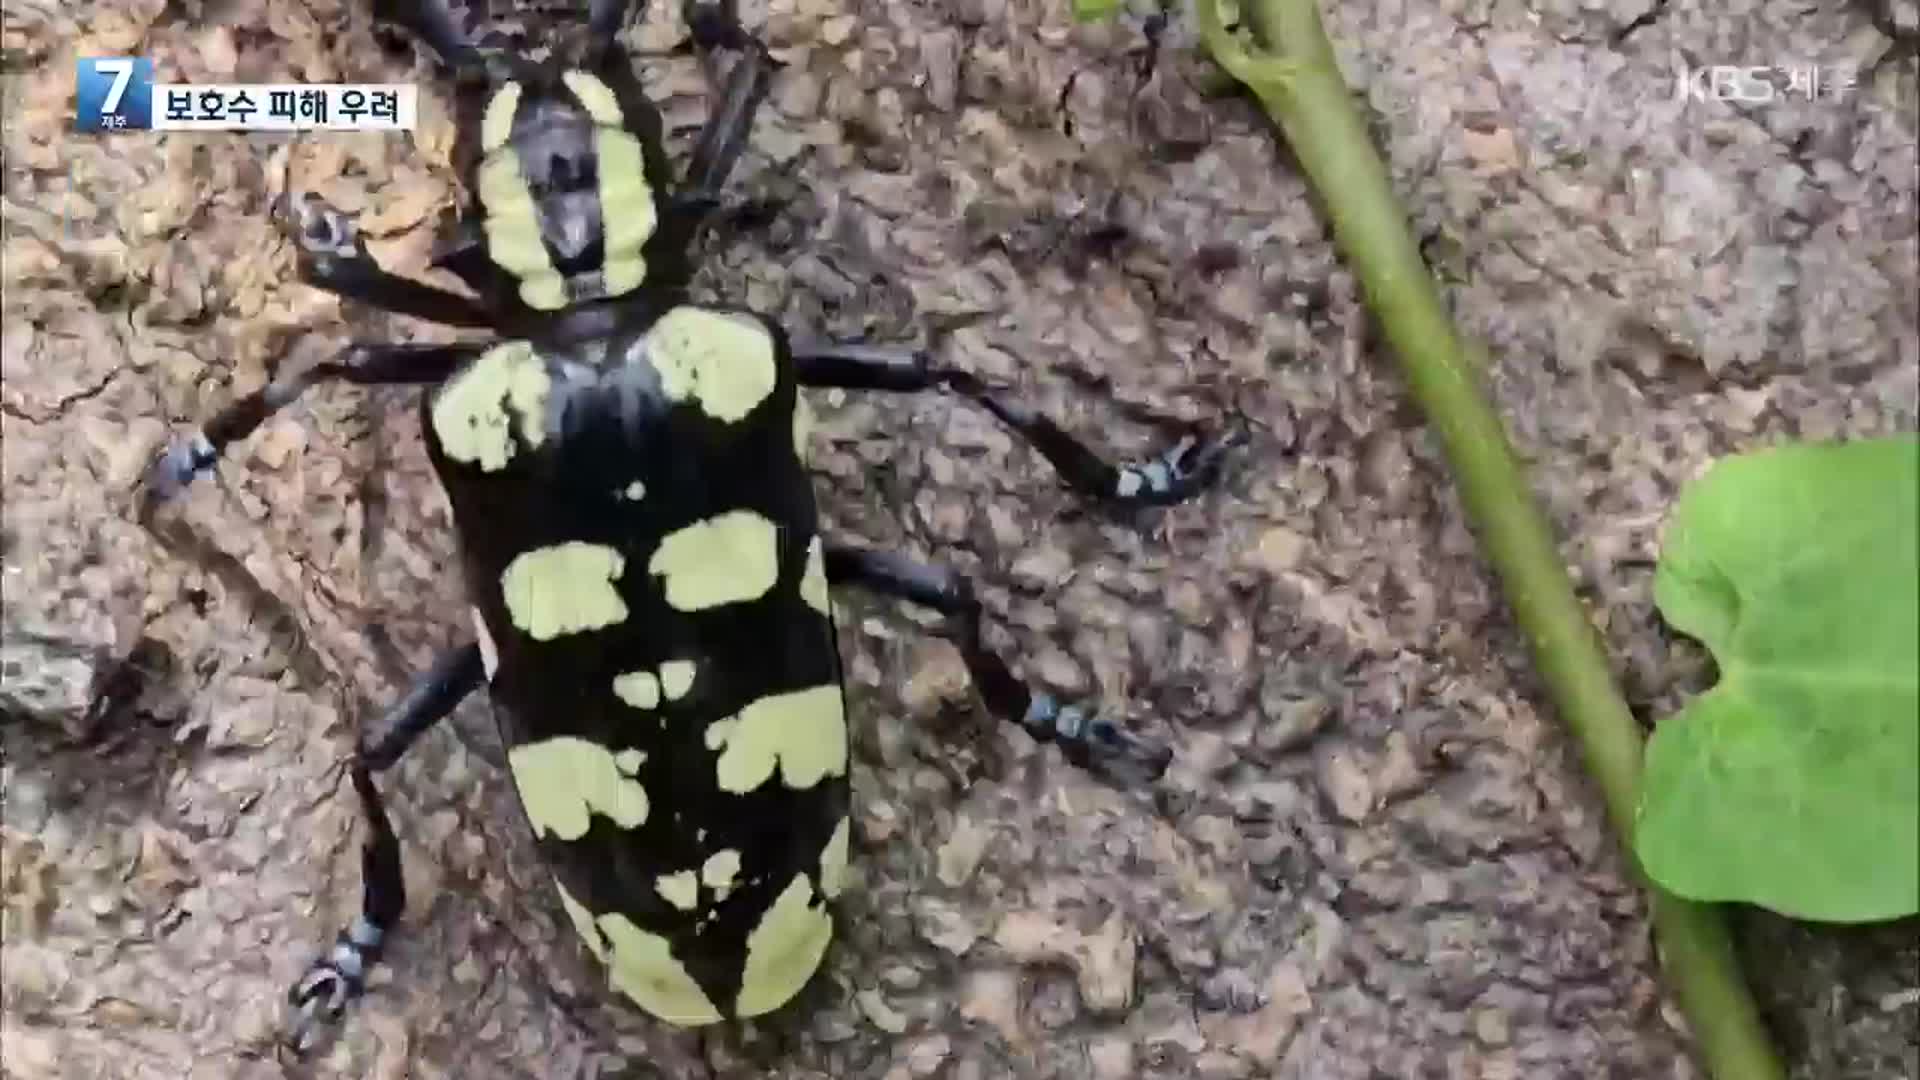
<point>1175,474</point>
<point>724,136</point>
<point>433,22</point>
<point>1092,743</point>
<point>334,258</point>
<point>363,364</point>
<point>604,20</point>
<point>338,976</point>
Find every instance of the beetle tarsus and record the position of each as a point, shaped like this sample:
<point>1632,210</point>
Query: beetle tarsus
<point>1088,741</point>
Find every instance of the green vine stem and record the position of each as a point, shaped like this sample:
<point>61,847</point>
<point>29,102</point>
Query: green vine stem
<point>1289,65</point>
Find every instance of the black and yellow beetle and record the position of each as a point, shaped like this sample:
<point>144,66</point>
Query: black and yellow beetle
<point>627,472</point>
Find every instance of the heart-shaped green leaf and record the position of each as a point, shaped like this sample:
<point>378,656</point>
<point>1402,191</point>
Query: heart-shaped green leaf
<point>1094,10</point>
<point>1795,782</point>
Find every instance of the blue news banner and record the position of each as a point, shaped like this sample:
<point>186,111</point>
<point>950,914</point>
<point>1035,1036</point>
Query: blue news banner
<point>117,93</point>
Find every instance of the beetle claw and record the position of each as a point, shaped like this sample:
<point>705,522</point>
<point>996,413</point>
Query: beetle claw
<point>318,1000</point>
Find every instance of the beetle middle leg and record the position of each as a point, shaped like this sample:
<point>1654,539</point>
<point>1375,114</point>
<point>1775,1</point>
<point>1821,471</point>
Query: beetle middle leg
<point>1091,742</point>
<point>339,975</point>
<point>1175,474</point>
<point>361,364</point>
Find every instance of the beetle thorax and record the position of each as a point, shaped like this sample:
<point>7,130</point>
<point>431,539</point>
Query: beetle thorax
<point>564,189</point>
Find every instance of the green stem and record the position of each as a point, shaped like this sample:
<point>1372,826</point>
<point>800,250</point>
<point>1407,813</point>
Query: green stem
<point>1292,70</point>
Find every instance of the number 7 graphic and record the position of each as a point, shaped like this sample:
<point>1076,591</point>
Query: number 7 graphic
<point>113,93</point>
<point>122,71</point>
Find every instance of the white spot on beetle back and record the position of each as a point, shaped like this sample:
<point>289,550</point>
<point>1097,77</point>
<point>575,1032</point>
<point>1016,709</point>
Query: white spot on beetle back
<point>803,422</point>
<point>723,362</point>
<point>638,688</point>
<point>718,872</point>
<point>635,491</point>
<point>803,733</point>
<point>833,862</point>
<point>473,414</point>
<point>725,559</point>
<point>676,678</point>
<point>564,589</point>
<point>813,581</point>
<point>643,967</point>
<point>596,96</point>
<point>784,950</point>
<point>582,922</point>
<point>681,889</point>
<point>627,214</point>
<point>489,656</point>
<point>565,780</point>
<point>496,125</point>
<point>513,235</point>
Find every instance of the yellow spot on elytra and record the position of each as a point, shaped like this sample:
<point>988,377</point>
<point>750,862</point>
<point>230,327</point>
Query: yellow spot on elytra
<point>513,232</point>
<point>496,125</point>
<point>833,862</point>
<point>596,96</point>
<point>565,780</point>
<point>724,362</point>
<point>680,889</point>
<point>629,761</point>
<point>643,968</point>
<point>813,581</point>
<point>718,871</point>
<point>802,428</point>
<point>784,950</point>
<point>803,732</point>
<point>473,414</point>
<point>582,922</point>
<point>723,560</point>
<point>638,689</point>
<point>719,730</point>
<point>676,678</point>
<point>564,589</point>
<point>635,491</point>
<point>489,656</point>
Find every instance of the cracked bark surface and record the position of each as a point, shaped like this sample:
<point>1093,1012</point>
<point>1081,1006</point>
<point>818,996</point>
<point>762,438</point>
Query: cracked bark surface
<point>1374,854</point>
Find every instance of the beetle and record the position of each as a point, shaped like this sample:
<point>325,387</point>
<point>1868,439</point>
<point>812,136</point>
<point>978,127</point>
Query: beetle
<point>638,534</point>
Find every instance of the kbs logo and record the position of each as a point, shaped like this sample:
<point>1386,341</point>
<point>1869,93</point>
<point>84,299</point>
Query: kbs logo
<point>113,93</point>
<point>1760,85</point>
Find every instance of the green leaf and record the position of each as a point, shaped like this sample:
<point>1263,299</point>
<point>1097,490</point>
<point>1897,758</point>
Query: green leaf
<point>1095,10</point>
<point>1795,782</point>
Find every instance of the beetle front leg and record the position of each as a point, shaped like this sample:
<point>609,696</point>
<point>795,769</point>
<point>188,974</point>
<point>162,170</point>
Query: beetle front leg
<point>365,365</point>
<point>334,258</point>
<point>1095,744</point>
<point>338,976</point>
<point>717,26</point>
<point>1177,473</point>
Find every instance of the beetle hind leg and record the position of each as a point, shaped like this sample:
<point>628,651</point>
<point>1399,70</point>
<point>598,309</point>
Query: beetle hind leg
<point>338,976</point>
<point>1092,742</point>
<point>1173,475</point>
